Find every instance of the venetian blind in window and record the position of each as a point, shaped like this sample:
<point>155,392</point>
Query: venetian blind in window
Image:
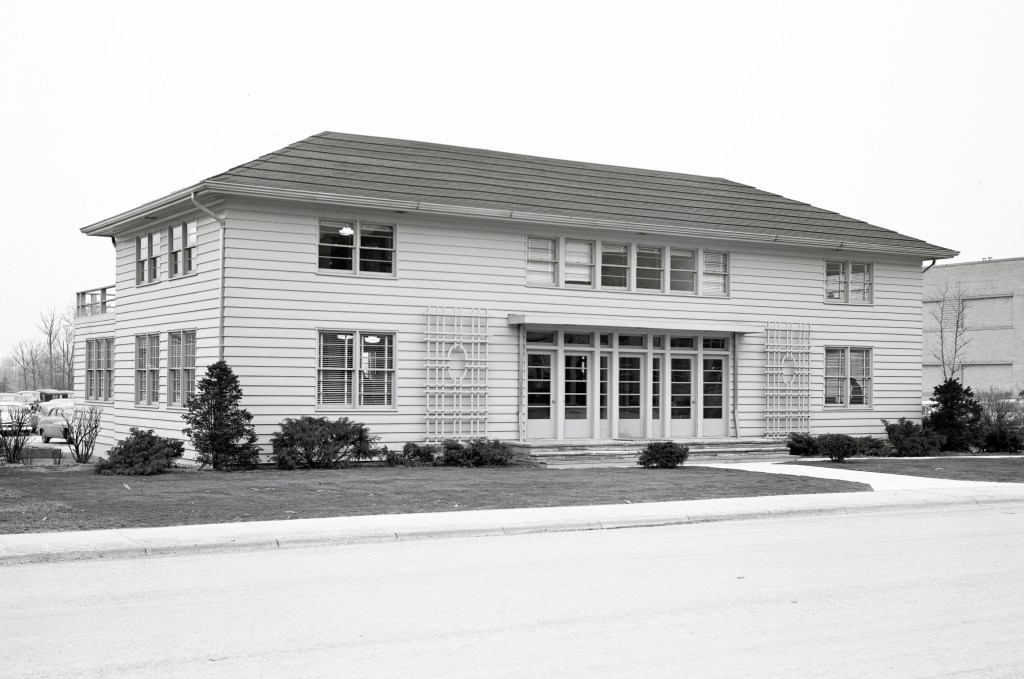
<point>542,260</point>
<point>716,273</point>
<point>579,263</point>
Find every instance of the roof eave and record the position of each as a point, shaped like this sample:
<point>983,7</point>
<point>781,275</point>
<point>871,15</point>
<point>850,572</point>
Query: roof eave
<point>228,188</point>
<point>153,209</point>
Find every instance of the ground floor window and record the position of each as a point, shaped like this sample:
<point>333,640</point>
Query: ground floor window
<point>147,369</point>
<point>181,366</point>
<point>847,376</point>
<point>99,369</point>
<point>355,369</point>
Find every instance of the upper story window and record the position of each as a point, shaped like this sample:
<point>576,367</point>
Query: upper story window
<point>147,253</point>
<point>847,376</point>
<point>182,240</point>
<point>356,247</point>
<point>848,282</point>
<point>571,263</point>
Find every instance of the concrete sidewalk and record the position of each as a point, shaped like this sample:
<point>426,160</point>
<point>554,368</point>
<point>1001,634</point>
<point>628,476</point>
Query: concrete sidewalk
<point>910,493</point>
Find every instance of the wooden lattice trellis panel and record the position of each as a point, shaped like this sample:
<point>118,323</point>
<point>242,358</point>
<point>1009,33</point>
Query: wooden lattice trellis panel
<point>456,373</point>
<point>788,384</point>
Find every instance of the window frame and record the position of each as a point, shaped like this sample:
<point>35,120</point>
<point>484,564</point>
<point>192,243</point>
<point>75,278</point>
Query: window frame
<point>605,266</point>
<point>99,369</point>
<point>183,258</point>
<point>847,379</point>
<point>846,282</point>
<point>147,269</point>
<point>358,378</point>
<point>147,367</point>
<point>178,368</point>
<point>358,226</point>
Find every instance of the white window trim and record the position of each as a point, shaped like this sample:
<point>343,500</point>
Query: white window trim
<point>631,268</point>
<point>357,370</point>
<point>848,274</point>
<point>101,369</point>
<point>869,392</point>
<point>182,228</point>
<point>151,267</point>
<point>151,371</point>
<point>171,403</point>
<point>357,226</point>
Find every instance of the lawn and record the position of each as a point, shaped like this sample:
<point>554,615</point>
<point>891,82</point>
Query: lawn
<point>43,498</point>
<point>968,468</point>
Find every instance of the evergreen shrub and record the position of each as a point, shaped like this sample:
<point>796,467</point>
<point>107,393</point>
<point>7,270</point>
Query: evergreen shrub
<point>318,443</point>
<point>220,429</point>
<point>411,455</point>
<point>956,416</point>
<point>909,439</point>
<point>663,455</point>
<point>802,444</point>
<point>478,452</point>
<point>143,453</point>
<point>837,447</point>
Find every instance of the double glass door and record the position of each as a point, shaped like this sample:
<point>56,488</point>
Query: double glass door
<point>599,394</point>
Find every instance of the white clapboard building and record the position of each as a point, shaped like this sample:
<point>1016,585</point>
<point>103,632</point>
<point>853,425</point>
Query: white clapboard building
<point>434,291</point>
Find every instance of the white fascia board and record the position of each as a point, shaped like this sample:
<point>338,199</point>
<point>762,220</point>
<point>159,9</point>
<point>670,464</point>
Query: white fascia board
<point>159,208</point>
<point>555,321</point>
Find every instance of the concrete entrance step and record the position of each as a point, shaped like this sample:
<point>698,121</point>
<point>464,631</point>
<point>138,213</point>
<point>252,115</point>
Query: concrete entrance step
<point>619,453</point>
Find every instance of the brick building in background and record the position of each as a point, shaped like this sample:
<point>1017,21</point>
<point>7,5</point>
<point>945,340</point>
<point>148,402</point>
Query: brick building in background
<point>993,290</point>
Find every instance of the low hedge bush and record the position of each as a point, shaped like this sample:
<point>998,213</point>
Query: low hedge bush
<point>143,453</point>
<point>799,443</point>
<point>837,447</point>
<point>663,455</point>
<point>909,439</point>
<point>479,452</point>
<point>411,455</point>
<point>318,443</point>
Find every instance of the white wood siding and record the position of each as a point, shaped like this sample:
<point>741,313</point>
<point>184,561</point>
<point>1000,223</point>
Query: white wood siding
<point>276,301</point>
<point>185,303</point>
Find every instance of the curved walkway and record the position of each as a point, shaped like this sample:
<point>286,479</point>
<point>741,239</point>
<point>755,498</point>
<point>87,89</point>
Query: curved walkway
<point>877,481</point>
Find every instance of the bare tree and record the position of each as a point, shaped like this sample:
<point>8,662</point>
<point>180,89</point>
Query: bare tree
<point>49,326</point>
<point>81,429</point>
<point>66,347</point>
<point>950,313</point>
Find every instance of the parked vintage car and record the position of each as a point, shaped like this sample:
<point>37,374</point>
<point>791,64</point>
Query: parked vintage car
<point>46,395</point>
<point>43,409</point>
<point>7,417</point>
<point>51,423</point>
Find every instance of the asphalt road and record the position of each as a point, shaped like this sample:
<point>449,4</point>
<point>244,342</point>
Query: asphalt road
<point>918,593</point>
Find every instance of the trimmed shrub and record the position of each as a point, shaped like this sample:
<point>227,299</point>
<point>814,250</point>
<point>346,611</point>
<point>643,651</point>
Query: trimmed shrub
<point>1002,439</point>
<point>143,453</point>
<point>663,455</point>
<point>802,444</point>
<point>909,439</point>
<point>480,452</point>
<point>869,446</point>
<point>220,429</point>
<point>317,443</point>
<point>837,447</point>
<point>411,455</point>
<point>1002,429</point>
<point>957,416</point>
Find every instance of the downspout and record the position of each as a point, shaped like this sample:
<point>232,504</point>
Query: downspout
<point>735,386</point>
<point>220,325</point>
<point>930,265</point>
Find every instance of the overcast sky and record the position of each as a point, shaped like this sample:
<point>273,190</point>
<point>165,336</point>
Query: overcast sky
<point>907,115</point>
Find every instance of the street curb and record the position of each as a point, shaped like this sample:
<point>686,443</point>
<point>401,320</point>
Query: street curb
<point>269,535</point>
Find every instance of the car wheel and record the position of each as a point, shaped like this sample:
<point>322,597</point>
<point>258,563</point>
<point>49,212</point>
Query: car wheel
<point>64,433</point>
<point>46,439</point>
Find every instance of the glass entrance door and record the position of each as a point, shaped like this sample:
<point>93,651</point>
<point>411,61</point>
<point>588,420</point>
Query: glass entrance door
<point>713,391</point>
<point>681,396</point>
<point>539,421</point>
<point>579,423</point>
<point>631,392</point>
